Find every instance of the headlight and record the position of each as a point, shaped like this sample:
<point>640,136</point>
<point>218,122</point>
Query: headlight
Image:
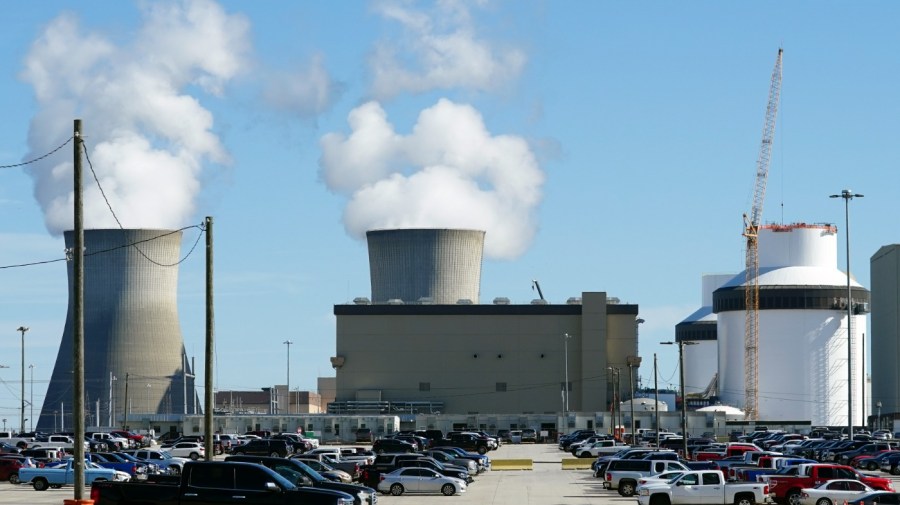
<point>644,492</point>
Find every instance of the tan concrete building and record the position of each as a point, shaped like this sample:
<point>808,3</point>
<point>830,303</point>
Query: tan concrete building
<point>477,358</point>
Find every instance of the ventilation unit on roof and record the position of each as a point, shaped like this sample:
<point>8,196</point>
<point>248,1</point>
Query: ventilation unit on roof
<point>464,301</point>
<point>539,301</point>
<point>574,300</point>
<point>361,300</point>
<point>501,300</point>
<point>426,300</point>
<point>395,301</point>
<point>612,300</point>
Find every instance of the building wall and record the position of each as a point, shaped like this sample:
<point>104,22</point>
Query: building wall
<point>885,281</point>
<point>466,355</point>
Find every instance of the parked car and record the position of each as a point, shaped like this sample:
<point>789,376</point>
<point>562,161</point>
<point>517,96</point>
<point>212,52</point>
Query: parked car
<point>325,470</point>
<point>264,447</point>
<point>166,462</point>
<point>529,435</point>
<point>9,470</point>
<point>833,492</point>
<point>388,445</point>
<point>192,450</point>
<point>878,497</point>
<point>419,480</point>
<point>365,435</point>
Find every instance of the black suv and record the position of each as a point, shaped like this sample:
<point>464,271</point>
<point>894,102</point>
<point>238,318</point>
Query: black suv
<point>264,447</point>
<point>384,445</point>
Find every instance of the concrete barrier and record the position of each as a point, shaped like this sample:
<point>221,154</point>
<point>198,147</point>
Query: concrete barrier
<point>577,463</point>
<point>512,464</point>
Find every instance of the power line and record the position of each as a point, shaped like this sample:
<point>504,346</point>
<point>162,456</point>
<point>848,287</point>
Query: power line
<point>39,158</point>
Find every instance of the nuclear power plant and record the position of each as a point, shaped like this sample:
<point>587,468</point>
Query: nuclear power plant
<point>131,333</point>
<point>803,349</point>
<point>423,344</point>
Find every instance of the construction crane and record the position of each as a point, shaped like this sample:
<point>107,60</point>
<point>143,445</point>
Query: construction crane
<point>751,233</point>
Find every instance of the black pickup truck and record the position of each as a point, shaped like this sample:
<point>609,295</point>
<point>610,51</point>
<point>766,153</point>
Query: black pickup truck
<point>216,482</point>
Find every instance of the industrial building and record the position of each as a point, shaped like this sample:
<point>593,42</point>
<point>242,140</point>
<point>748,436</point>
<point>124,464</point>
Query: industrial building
<point>434,349</point>
<point>701,360</point>
<point>803,346</point>
<point>885,278</point>
<point>132,335</point>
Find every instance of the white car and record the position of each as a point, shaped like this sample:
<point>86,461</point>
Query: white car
<point>420,480</point>
<point>660,477</point>
<point>833,492</point>
<point>193,450</point>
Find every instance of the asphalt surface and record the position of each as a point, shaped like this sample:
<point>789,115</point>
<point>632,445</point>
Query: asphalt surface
<point>546,484</point>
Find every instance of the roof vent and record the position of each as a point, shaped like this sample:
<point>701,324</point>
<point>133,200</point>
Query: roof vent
<point>574,300</point>
<point>361,300</point>
<point>539,301</point>
<point>395,301</point>
<point>426,300</point>
<point>501,300</point>
<point>464,301</point>
<point>612,300</point>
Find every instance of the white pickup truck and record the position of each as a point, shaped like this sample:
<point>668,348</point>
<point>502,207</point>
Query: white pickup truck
<point>704,486</point>
<point>58,441</point>
<point>20,442</point>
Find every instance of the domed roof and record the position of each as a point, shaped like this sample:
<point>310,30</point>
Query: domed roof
<point>727,409</point>
<point>796,276</point>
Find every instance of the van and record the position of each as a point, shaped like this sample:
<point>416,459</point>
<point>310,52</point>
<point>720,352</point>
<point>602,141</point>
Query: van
<point>364,435</point>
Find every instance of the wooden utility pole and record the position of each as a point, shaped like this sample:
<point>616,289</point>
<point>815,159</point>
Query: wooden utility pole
<point>210,347</point>
<point>78,344</point>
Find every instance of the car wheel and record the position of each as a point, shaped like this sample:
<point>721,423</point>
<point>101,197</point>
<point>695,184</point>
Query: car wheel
<point>14,479</point>
<point>195,456</point>
<point>744,500</point>
<point>895,470</point>
<point>40,484</point>
<point>175,470</point>
<point>379,451</point>
<point>275,454</point>
<point>626,488</point>
<point>792,498</point>
<point>482,449</point>
<point>584,455</point>
<point>659,499</point>
<point>872,466</point>
<point>823,501</point>
<point>448,490</point>
<point>396,489</point>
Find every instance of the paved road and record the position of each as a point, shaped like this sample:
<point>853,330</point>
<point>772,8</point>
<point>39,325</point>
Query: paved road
<point>546,484</point>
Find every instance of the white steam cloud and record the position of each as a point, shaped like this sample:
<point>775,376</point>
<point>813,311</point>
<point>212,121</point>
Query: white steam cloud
<point>147,138</point>
<point>449,172</point>
<point>444,50</point>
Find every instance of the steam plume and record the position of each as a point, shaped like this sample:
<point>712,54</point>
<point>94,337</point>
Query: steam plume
<point>448,172</point>
<point>147,137</point>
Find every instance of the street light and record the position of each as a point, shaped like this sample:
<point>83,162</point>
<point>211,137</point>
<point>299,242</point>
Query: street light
<point>288,344</point>
<point>615,399</point>
<point>566,338</point>
<point>684,435</point>
<point>23,329</point>
<point>149,410</point>
<point>632,362</point>
<point>878,406</point>
<point>31,401</point>
<point>848,195</point>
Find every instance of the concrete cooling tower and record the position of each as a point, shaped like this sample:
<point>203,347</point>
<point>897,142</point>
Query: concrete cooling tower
<point>438,265</point>
<point>803,349</point>
<point>131,329</point>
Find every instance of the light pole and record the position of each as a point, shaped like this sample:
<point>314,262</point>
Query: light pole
<point>615,398</point>
<point>288,344</point>
<point>632,362</point>
<point>566,338</point>
<point>878,419</point>
<point>31,401</point>
<point>684,434</point>
<point>149,410</point>
<point>23,329</point>
<point>848,195</point>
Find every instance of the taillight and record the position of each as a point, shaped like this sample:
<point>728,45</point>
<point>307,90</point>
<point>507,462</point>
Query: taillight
<point>95,493</point>
<point>608,477</point>
<point>765,489</point>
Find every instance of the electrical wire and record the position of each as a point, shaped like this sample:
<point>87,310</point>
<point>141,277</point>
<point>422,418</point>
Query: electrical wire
<point>39,158</point>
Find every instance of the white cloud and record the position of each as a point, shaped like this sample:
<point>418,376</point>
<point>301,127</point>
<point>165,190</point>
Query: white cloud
<point>147,137</point>
<point>449,172</point>
<point>304,92</point>
<point>441,50</point>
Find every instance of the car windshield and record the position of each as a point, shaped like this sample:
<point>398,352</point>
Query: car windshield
<point>312,474</point>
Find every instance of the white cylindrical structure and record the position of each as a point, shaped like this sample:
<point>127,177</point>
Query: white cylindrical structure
<point>701,361</point>
<point>802,353</point>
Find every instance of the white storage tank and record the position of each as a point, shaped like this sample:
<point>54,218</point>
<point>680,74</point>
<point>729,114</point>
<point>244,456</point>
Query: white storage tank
<point>803,349</point>
<point>701,360</point>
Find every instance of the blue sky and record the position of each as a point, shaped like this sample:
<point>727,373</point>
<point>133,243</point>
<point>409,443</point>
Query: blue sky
<point>612,146</point>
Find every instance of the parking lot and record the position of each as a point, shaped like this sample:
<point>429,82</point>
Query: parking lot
<point>546,484</point>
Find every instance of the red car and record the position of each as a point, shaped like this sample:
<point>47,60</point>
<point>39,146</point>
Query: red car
<point>9,470</point>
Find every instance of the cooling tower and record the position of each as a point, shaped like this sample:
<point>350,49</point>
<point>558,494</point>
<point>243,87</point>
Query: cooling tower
<point>131,330</point>
<point>803,349</point>
<point>439,265</point>
<point>701,361</point>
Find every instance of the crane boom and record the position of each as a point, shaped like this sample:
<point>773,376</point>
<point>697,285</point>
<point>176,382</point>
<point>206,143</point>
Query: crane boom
<point>751,233</point>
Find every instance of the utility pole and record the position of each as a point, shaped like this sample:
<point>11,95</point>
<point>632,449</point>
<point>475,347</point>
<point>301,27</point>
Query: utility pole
<point>22,329</point>
<point>125,406</point>
<point>210,348</point>
<point>632,361</point>
<point>112,408</point>
<point>288,344</point>
<point>655,400</point>
<point>78,343</point>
